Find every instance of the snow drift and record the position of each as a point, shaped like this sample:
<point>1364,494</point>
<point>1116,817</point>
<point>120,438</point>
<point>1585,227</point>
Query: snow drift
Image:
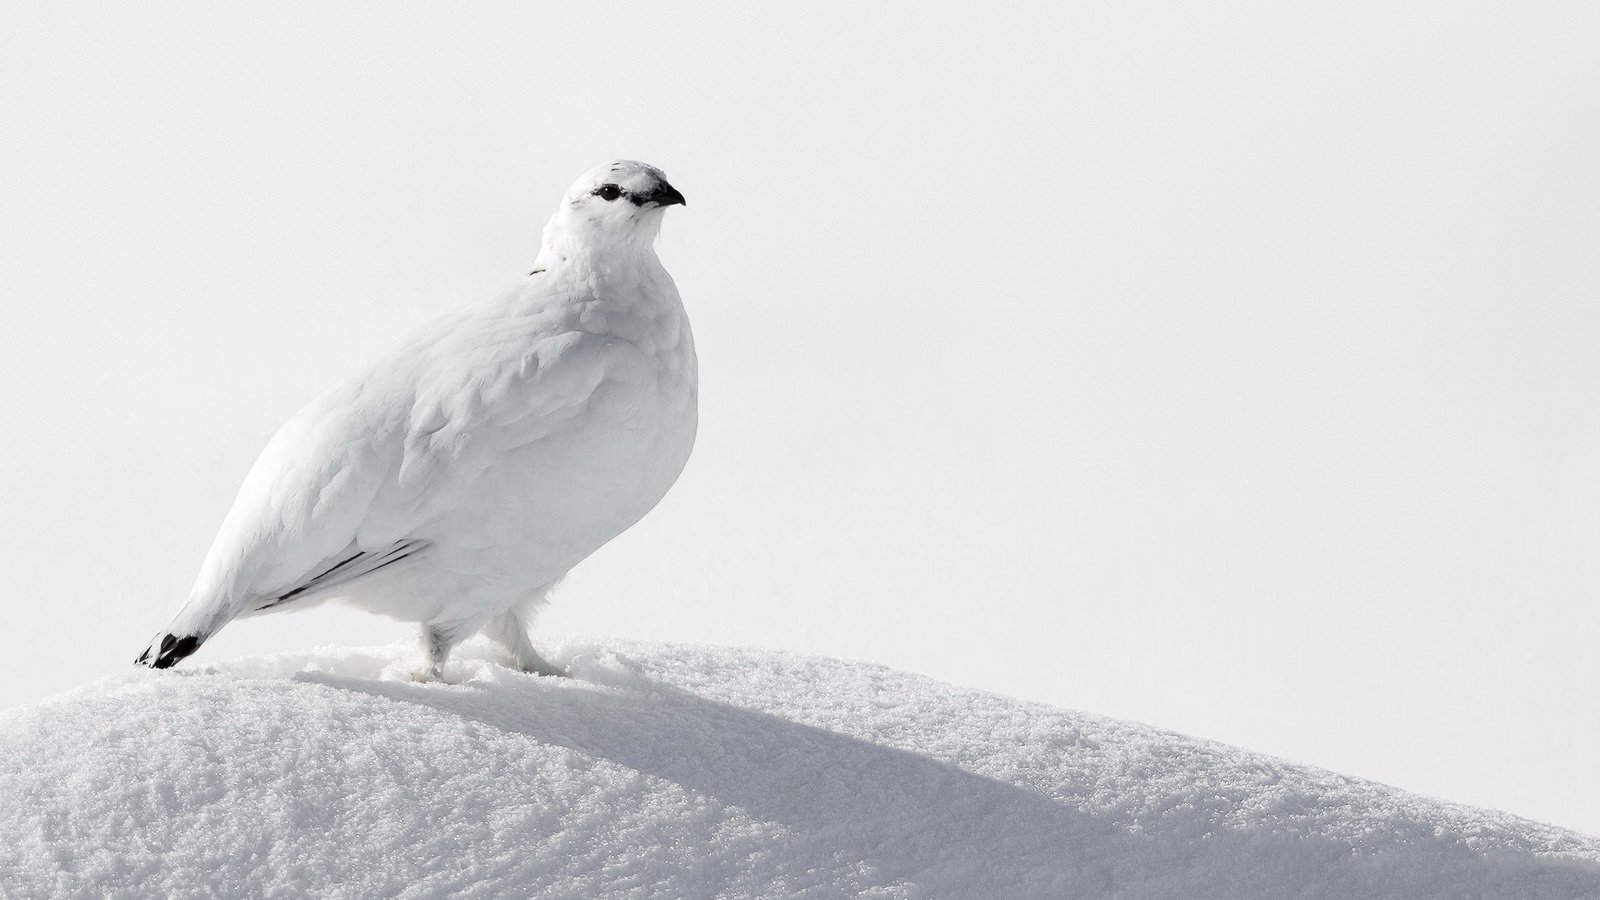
<point>672,771</point>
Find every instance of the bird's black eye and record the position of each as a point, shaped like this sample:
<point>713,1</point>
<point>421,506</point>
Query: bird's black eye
<point>609,192</point>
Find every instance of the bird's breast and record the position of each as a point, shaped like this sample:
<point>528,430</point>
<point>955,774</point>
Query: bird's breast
<point>600,432</point>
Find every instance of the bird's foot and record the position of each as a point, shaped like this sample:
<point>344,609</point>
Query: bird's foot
<point>528,660</point>
<point>426,673</point>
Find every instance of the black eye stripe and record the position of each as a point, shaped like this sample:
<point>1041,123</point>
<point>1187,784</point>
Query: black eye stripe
<point>608,192</point>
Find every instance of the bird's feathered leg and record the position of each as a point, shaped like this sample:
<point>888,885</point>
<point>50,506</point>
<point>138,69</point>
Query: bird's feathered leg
<point>510,631</point>
<point>441,636</point>
<point>437,642</point>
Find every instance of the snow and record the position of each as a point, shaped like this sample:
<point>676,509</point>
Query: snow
<point>680,771</point>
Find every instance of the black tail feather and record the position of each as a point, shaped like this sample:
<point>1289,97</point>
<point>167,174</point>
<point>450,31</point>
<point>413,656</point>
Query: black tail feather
<point>172,649</point>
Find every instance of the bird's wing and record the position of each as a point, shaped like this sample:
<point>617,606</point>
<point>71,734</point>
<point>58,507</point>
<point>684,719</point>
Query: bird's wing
<point>353,564</point>
<point>301,505</point>
<point>365,467</point>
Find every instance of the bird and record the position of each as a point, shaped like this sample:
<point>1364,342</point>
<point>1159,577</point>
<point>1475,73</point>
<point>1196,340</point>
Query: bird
<point>456,480</point>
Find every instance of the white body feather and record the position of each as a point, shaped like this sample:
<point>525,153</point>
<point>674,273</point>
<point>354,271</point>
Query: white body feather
<point>508,441</point>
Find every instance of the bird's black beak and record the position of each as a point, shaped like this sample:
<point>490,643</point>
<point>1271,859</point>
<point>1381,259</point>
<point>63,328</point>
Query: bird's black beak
<point>665,195</point>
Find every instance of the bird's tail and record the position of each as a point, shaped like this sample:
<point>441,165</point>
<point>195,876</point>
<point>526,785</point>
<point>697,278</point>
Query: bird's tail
<point>168,648</point>
<point>202,615</point>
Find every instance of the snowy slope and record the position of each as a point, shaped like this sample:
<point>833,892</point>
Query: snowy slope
<point>679,771</point>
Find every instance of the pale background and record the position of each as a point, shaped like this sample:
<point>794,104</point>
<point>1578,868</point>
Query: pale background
<point>1234,367</point>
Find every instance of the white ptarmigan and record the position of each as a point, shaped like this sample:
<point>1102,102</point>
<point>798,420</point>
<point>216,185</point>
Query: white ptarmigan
<point>456,480</point>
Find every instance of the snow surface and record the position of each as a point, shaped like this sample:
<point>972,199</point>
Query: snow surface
<point>677,771</point>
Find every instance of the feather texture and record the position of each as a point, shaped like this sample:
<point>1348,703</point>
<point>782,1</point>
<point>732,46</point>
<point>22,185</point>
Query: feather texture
<point>456,479</point>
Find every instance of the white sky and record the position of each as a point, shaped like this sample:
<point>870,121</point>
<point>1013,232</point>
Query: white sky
<point>1232,368</point>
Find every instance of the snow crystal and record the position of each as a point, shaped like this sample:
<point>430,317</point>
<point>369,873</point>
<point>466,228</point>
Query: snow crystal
<point>674,771</point>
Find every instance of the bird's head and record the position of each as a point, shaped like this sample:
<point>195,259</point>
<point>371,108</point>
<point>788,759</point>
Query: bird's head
<point>615,206</point>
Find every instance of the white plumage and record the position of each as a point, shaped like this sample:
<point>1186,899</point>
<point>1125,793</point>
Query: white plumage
<point>456,480</point>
